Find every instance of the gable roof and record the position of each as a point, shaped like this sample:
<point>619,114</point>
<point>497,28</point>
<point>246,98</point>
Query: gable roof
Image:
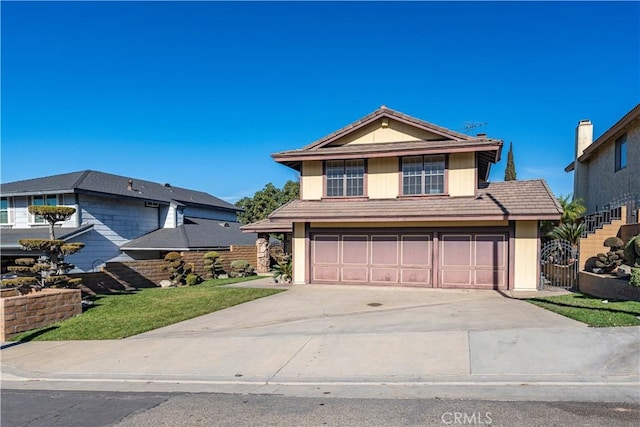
<point>381,112</point>
<point>608,136</point>
<point>448,141</point>
<point>195,233</point>
<point>103,183</point>
<point>508,200</point>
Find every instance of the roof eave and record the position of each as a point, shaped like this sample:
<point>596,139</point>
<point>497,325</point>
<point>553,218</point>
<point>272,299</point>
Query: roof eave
<point>294,158</point>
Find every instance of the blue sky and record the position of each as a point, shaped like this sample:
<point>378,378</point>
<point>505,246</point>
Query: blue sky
<point>200,94</point>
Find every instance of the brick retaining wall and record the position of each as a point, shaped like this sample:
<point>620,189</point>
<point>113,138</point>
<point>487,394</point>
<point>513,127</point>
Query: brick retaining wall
<point>21,313</point>
<point>149,273</point>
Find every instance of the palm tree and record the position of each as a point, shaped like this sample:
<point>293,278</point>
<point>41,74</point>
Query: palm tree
<point>570,232</point>
<point>573,209</point>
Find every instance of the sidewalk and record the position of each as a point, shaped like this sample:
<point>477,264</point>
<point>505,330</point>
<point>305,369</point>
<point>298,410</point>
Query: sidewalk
<point>328,341</point>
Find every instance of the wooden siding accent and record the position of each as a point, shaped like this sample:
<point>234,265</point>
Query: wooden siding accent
<point>462,174</point>
<point>311,180</point>
<point>526,256</point>
<point>377,133</point>
<point>383,181</point>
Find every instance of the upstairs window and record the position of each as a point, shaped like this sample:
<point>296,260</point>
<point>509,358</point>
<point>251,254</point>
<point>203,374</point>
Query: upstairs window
<point>422,175</point>
<point>4,211</point>
<point>345,178</point>
<point>48,200</point>
<point>621,152</point>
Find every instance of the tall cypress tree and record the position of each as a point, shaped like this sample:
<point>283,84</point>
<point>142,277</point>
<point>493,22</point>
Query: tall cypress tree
<point>510,171</point>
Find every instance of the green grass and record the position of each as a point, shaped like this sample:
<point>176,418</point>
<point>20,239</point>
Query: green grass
<point>591,310</point>
<point>125,314</point>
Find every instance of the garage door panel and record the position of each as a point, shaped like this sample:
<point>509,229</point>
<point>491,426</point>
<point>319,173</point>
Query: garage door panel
<point>488,278</point>
<point>384,275</point>
<point>326,249</point>
<point>355,250</point>
<point>416,251</point>
<point>456,278</point>
<point>456,250</point>
<point>326,274</point>
<point>351,274</point>
<point>384,250</point>
<point>415,276</point>
<point>490,251</point>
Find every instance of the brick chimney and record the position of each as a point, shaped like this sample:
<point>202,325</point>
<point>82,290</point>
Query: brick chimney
<point>584,136</point>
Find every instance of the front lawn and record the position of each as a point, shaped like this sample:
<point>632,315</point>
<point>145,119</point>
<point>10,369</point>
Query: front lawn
<point>592,310</point>
<point>125,314</point>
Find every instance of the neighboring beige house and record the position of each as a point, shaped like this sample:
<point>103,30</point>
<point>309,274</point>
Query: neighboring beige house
<point>394,200</point>
<point>607,170</point>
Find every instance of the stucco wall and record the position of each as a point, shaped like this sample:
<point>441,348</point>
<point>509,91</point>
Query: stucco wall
<point>462,174</point>
<point>526,256</point>
<point>599,183</point>
<point>383,178</point>
<point>311,181</point>
<point>299,253</point>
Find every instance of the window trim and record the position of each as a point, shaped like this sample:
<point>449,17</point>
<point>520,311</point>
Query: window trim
<point>621,142</point>
<point>30,201</point>
<point>445,184</point>
<point>10,211</point>
<point>344,180</point>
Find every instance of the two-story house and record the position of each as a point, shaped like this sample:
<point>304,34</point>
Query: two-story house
<point>606,172</point>
<point>117,217</point>
<point>394,200</point>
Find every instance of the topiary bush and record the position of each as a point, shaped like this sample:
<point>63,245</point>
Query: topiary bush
<point>612,259</point>
<point>177,268</point>
<point>50,268</point>
<point>241,268</point>
<point>632,251</point>
<point>634,279</point>
<point>213,265</point>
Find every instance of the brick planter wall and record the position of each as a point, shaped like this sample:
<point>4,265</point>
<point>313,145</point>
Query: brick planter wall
<point>20,313</point>
<point>607,286</point>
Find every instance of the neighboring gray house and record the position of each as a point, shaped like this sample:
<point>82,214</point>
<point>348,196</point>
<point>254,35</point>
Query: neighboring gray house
<point>118,218</point>
<point>606,172</point>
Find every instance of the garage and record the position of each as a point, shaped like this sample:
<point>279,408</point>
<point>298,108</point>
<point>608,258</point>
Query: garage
<point>461,260</point>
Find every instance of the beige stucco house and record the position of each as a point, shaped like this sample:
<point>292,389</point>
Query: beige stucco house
<point>606,172</point>
<point>394,200</point>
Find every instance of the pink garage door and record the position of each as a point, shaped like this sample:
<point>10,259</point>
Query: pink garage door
<point>384,259</point>
<point>473,261</point>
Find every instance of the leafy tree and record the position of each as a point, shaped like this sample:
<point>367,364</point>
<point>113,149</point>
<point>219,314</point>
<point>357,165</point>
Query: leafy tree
<point>267,200</point>
<point>573,209</point>
<point>510,171</point>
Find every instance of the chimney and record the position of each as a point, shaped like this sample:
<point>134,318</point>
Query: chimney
<point>584,136</point>
<point>130,185</point>
<point>481,135</point>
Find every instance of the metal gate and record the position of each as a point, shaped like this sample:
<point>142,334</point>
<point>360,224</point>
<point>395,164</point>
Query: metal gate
<point>559,265</point>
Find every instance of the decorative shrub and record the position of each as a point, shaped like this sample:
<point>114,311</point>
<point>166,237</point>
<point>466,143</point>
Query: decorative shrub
<point>213,265</point>
<point>612,259</point>
<point>241,268</point>
<point>177,268</point>
<point>634,279</point>
<point>283,270</point>
<point>632,251</point>
<point>192,279</point>
<point>50,267</point>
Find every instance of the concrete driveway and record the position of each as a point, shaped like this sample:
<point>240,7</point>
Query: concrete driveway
<point>354,341</point>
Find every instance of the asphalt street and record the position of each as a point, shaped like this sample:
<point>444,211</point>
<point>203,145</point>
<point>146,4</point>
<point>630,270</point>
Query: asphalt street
<point>93,409</point>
